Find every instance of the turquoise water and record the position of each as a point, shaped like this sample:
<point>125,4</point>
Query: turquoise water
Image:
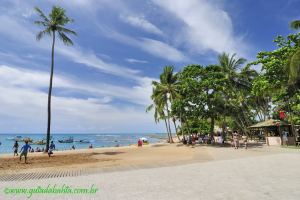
<point>97,140</point>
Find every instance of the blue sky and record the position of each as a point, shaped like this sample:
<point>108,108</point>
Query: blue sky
<point>103,82</point>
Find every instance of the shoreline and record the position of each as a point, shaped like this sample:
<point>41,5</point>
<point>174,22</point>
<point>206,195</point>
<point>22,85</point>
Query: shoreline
<point>78,150</point>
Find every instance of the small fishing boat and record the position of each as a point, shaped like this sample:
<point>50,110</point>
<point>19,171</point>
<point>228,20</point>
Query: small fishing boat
<point>84,141</point>
<point>10,138</point>
<point>68,140</point>
<point>16,138</point>
<point>40,142</point>
<point>26,139</point>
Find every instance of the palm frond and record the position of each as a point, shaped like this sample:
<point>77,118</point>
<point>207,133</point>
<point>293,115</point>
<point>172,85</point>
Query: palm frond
<point>65,30</point>
<point>63,37</point>
<point>41,14</point>
<point>41,23</point>
<point>41,34</point>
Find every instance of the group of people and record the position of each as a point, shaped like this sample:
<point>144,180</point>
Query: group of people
<point>201,139</point>
<point>26,148</point>
<point>210,139</point>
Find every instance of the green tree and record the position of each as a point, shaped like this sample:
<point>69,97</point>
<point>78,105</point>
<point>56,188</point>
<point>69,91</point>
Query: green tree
<point>53,25</point>
<point>165,92</point>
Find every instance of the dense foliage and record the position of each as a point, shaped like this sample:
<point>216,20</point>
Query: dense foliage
<point>231,93</point>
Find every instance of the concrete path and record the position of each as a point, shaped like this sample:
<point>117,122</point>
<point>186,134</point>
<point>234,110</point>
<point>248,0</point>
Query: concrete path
<point>273,177</point>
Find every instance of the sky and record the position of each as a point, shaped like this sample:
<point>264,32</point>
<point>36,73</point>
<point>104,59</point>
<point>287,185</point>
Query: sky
<point>102,84</point>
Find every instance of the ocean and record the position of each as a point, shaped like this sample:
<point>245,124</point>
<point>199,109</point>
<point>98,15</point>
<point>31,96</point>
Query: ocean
<point>97,140</point>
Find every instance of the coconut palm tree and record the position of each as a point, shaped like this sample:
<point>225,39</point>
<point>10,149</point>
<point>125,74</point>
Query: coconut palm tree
<point>164,92</point>
<point>53,25</point>
<point>158,106</point>
<point>295,24</point>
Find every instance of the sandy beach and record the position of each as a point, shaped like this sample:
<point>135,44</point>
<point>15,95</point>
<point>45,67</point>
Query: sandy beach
<point>127,157</point>
<point>104,158</point>
<point>160,171</point>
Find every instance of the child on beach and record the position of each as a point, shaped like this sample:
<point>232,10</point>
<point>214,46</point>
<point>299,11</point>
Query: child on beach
<point>24,150</point>
<point>16,147</point>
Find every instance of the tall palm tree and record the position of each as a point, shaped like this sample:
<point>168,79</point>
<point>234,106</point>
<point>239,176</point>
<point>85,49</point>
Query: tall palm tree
<point>229,67</point>
<point>158,106</point>
<point>53,25</point>
<point>164,92</point>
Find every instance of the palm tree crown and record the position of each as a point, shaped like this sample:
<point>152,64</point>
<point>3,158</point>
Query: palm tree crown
<point>295,24</point>
<point>55,23</point>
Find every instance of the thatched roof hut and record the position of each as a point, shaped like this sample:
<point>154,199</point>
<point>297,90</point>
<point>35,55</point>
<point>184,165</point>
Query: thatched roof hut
<point>268,123</point>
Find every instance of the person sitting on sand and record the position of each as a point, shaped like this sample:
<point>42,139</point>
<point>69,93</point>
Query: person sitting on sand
<point>32,150</point>
<point>91,146</point>
<point>140,143</point>
<point>51,148</point>
<point>24,150</point>
<point>16,147</point>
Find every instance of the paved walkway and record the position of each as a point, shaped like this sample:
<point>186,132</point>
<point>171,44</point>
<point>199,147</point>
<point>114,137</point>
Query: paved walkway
<point>263,177</point>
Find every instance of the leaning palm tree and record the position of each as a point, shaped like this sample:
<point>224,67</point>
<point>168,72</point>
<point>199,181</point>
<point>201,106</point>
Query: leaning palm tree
<point>54,25</point>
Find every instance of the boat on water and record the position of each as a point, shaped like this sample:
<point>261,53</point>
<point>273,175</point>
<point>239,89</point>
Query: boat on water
<point>84,141</point>
<point>40,142</point>
<point>68,140</point>
<point>16,138</point>
<point>144,140</point>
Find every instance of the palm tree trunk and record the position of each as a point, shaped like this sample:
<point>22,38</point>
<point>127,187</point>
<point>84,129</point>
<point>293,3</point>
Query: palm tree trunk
<point>50,93</point>
<point>168,116</point>
<point>176,129</point>
<point>181,125</point>
<point>167,130</point>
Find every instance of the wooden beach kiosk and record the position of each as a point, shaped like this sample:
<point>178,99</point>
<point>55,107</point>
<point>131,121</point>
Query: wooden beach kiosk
<point>273,131</point>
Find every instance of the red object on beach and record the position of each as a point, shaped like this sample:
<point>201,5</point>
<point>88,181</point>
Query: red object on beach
<point>140,143</point>
<point>281,114</point>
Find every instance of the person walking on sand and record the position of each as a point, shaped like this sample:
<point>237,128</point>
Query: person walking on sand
<point>24,150</point>
<point>51,148</point>
<point>16,147</point>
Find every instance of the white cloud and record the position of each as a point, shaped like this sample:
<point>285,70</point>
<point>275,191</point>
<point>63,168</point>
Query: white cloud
<point>142,23</point>
<point>161,49</point>
<point>206,26</point>
<point>25,102</point>
<point>154,47</point>
<point>133,60</point>
<point>91,60</point>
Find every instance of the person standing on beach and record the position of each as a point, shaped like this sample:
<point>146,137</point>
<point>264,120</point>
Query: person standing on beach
<point>16,147</point>
<point>235,139</point>
<point>24,150</point>
<point>51,148</point>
